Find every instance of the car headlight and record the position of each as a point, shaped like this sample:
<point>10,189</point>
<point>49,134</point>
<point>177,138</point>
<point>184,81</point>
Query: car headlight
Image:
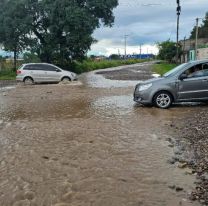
<point>144,87</point>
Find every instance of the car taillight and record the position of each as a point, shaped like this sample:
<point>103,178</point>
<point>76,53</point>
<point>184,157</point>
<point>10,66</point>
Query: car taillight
<point>18,72</point>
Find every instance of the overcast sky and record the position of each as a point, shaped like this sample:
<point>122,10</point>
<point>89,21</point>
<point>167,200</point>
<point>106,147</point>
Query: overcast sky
<point>147,22</point>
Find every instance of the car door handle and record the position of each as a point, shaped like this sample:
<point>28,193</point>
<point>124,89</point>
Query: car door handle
<point>205,80</point>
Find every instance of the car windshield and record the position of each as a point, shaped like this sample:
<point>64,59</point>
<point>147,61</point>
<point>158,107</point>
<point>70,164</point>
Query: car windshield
<point>175,70</point>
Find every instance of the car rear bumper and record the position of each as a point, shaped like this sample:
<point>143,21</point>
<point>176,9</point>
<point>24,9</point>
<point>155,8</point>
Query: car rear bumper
<point>19,79</point>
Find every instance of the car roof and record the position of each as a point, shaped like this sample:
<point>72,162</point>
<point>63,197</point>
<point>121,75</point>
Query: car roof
<point>199,61</point>
<point>38,63</point>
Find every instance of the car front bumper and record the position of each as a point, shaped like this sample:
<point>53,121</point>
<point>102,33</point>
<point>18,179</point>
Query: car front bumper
<point>143,97</point>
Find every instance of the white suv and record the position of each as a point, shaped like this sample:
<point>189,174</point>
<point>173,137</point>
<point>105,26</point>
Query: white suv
<point>42,72</point>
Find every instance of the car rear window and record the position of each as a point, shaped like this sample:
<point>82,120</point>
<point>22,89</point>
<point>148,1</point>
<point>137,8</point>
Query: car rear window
<point>27,67</point>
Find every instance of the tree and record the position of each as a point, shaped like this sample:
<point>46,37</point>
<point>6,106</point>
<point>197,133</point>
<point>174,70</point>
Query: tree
<point>13,28</point>
<point>167,50</point>
<point>203,29</point>
<point>31,57</point>
<point>62,29</point>
<point>114,56</point>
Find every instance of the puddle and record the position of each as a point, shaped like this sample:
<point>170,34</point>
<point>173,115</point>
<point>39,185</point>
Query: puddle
<point>98,81</point>
<point>113,106</point>
<point>87,146</point>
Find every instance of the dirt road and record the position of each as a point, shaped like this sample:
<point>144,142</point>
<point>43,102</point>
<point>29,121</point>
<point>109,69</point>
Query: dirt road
<point>88,144</point>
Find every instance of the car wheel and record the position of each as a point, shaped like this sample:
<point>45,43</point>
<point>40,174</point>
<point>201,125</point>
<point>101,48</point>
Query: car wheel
<point>163,100</point>
<point>66,80</point>
<point>28,81</point>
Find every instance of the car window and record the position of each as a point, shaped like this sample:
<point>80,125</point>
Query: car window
<point>47,67</point>
<point>43,67</point>
<point>201,73</point>
<point>175,70</point>
<point>205,66</point>
<point>30,67</point>
<point>199,70</point>
<point>191,71</point>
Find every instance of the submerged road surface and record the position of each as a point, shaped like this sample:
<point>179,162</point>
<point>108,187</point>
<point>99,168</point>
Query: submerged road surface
<point>88,145</point>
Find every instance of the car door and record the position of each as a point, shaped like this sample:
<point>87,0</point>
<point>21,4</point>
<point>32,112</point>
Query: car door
<point>53,74</point>
<point>195,87</point>
<point>40,73</point>
<point>35,72</point>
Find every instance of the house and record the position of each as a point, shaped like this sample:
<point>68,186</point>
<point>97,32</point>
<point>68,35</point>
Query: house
<point>188,48</point>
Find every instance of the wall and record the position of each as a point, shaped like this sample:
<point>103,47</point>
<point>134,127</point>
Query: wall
<point>202,53</point>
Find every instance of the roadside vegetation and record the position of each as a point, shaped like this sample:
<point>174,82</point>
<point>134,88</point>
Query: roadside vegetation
<point>8,73</point>
<point>163,67</point>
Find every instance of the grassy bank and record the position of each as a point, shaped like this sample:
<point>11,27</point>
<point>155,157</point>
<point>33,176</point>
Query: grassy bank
<point>7,74</point>
<point>163,68</point>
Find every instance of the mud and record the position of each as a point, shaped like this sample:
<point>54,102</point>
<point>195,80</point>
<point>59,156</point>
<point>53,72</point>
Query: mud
<point>88,144</point>
<point>192,145</point>
<point>133,72</point>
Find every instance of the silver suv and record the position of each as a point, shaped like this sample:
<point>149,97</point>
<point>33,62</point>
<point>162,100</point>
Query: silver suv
<point>185,83</point>
<point>42,72</point>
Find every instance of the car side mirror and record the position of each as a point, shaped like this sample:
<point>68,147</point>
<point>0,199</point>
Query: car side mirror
<point>57,70</point>
<point>183,76</point>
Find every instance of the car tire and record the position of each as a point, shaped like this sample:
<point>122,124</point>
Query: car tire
<point>163,100</point>
<point>66,79</point>
<point>28,81</point>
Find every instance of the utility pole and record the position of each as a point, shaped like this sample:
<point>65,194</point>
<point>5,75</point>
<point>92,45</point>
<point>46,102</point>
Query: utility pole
<point>118,52</point>
<point>140,51</point>
<point>196,41</point>
<point>184,48</point>
<point>125,42</point>
<point>178,9</point>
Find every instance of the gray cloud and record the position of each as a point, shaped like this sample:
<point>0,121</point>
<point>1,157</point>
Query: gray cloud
<point>150,21</point>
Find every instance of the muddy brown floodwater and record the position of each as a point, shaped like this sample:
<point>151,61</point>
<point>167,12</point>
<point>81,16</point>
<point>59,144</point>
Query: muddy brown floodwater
<point>87,145</point>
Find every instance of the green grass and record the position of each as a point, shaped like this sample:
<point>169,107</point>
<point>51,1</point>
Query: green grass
<point>7,75</point>
<point>90,65</point>
<point>163,68</point>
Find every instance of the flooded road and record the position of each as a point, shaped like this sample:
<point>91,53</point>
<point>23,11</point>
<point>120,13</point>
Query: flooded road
<point>87,145</point>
